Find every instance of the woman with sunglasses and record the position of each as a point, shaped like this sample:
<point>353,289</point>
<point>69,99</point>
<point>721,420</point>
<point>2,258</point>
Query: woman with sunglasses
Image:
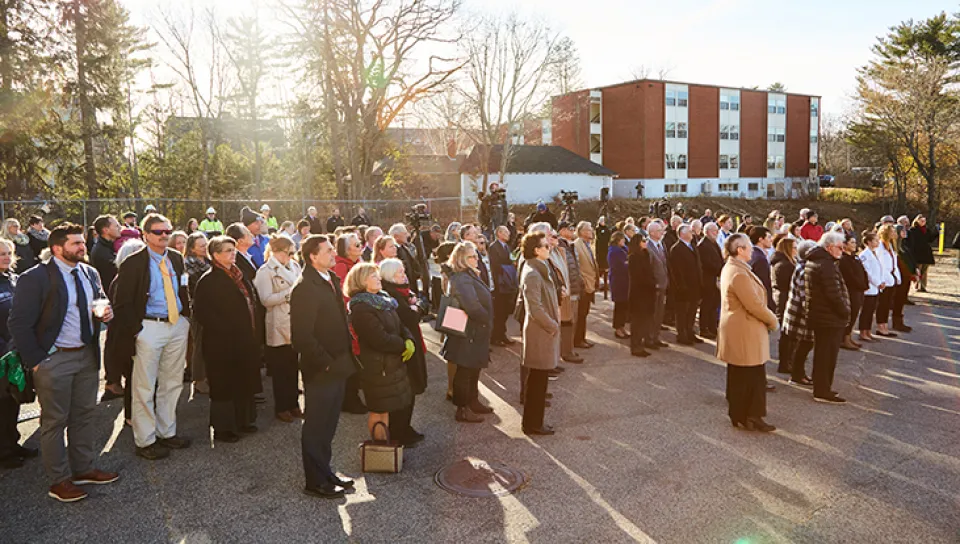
<point>274,283</point>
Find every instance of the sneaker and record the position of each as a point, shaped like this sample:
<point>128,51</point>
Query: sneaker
<point>174,442</point>
<point>153,452</point>
<point>95,477</point>
<point>836,399</point>
<point>66,491</point>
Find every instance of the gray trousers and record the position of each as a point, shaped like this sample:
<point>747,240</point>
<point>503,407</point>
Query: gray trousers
<point>67,384</point>
<point>659,303</point>
<point>568,328</point>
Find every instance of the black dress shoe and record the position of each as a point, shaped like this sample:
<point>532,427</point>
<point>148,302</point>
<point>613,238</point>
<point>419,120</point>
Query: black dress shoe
<point>344,483</point>
<point>902,328</point>
<point>661,344</point>
<point>27,453</point>
<point>545,430</point>
<point>759,425</point>
<point>326,491</point>
<point>651,345</point>
<point>153,452</point>
<point>109,395</point>
<point>174,442</point>
<point>640,353</point>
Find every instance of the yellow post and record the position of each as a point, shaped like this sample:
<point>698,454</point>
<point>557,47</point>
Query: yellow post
<point>942,236</point>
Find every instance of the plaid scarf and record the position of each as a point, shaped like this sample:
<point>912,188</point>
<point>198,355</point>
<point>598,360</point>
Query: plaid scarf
<point>236,275</point>
<point>795,316</point>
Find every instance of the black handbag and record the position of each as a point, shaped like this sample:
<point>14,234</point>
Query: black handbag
<point>451,320</point>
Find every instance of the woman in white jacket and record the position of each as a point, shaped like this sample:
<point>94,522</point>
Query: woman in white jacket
<point>876,280</point>
<point>274,283</point>
<point>890,273</point>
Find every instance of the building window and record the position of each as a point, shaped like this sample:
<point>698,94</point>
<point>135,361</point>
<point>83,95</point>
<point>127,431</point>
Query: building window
<point>781,106</point>
<point>771,162</point>
<point>671,98</point>
<point>772,135</point>
<point>729,187</point>
<point>771,105</point>
<point>681,130</point>
<point>813,138</point>
<point>781,136</point>
<point>682,162</point>
<point>675,188</point>
<point>682,99</point>
<point>734,103</point>
<point>671,161</point>
<point>734,162</point>
<point>814,107</point>
<point>813,166</point>
<point>724,162</point>
<point>724,132</point>
<point>753,187</point>
<point>724,105</point>
<point>734,132</point>
<point>671,130</point>
<point>779,162</point>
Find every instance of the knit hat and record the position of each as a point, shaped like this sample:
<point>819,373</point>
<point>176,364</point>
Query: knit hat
<point>541,207</point>
<point>248,216</point>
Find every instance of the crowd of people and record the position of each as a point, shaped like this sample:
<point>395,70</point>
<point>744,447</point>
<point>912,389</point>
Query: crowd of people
<point>339,306</point>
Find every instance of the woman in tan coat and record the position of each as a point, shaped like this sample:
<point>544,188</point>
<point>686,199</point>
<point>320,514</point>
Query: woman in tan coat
<point>541,330</point>
<point>743,340</point>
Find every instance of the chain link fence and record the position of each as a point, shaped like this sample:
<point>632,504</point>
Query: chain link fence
<point>179,211</point>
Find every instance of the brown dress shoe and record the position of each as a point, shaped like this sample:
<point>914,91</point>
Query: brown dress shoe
<point>65,491</point>
<point>95,477</point>
<point>297,413</point>
<point>285,417</point>
<point>466,416</point>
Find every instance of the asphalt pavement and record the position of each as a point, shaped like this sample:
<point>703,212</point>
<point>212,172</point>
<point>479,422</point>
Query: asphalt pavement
<point>644,452</point>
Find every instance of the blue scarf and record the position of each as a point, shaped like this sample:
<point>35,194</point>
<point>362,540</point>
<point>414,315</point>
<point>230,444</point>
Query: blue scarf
<point>381,301</point>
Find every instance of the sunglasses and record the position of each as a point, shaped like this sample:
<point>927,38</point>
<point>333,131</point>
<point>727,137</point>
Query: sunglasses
<point>161,232</point>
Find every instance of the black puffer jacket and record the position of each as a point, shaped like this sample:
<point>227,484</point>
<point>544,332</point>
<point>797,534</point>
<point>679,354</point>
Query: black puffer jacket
<point>827,303</point>
<point>782,273</point>
<point>854,274</point>
<point>383,377</point>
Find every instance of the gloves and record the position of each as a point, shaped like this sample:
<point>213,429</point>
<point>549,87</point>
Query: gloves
<point>408,352</point>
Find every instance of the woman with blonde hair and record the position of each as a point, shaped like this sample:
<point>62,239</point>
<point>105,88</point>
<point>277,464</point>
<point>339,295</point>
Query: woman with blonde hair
<point>890,277</point>
<point>384,248</point>
<point>743,340</point>
<point>471,353</point>
<point>178,241</point>
<point>385,347</point>
<point>274,283</point>
<point>25,257</point>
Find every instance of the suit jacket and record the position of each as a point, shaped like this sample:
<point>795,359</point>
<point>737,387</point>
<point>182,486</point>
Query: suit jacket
<point>319,329</point>
<point>711,263</point>
<point>761,267</point>
<point>588,266</point>
<point>28,298</point>
<point>503,270</point>
<point>660,271</point>
<point>685,272</point>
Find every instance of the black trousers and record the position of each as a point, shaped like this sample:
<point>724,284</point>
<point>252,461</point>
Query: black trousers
<point>399,423</point>
<point>710,311</point>
<point>785,348</point>
<point>641,323</point>
<point>899,301</point>
<point>351,392</point>
<point>826,348</point>
<point>322,401</point>
<point>583,311</point>
<point>856,302</point>
<point>746,392</point>
<point>868,311</point>
<point>465,386</point>
<point>621,311</point>
<point>670,309</point>
<point>535,399</point>
<point>798,366</point>
<point>686,316</point>
<point>503,305</point>
<point>9,435</point>
<point>884,302</point>
<point>285,374</point>
<point>228,416</point>
<point>112,367</point>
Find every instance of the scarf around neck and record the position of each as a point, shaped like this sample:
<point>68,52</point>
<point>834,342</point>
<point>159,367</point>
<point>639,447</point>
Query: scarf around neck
<point>381,301</point>
<point>235,274</point>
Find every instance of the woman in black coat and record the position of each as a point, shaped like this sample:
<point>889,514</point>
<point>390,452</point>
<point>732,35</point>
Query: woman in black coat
<point>919,239</point>
<point>394,279</point>
<point>385,345</point>
<point>643,287</point>
<point>782,265</point>
<point>224,305</point>
<point>11,452</point>
<point>855,278</point>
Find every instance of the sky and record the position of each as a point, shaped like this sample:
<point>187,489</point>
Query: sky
<point>811,46</point>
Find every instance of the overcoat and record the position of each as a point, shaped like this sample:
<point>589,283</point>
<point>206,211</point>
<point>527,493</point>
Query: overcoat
<point>541,326</point>
<point>745,320</point>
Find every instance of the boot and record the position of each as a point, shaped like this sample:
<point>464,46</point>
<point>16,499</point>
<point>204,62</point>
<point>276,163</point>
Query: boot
<point>848,343</point>
<point>466,416</point>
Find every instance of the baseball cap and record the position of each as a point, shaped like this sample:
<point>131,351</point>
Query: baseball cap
<point>265,208</point>
<point>211,210</point>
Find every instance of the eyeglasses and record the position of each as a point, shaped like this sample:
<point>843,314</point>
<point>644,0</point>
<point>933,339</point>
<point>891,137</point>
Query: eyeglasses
<point>161,232</point>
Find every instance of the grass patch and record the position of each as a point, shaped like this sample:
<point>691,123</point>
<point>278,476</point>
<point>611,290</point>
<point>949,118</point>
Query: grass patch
<point>848,196</point>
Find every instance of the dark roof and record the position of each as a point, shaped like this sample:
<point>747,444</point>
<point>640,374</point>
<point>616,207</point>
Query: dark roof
<point>529,159</point>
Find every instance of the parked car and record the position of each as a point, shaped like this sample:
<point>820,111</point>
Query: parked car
<point>827,181</point>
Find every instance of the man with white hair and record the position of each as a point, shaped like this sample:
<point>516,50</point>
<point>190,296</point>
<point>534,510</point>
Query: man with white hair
<point>662,279</point>
<point>828,311</point>
<point>685,282</point>
<point>711,263</point>
<point>407,253</point>
<point>316,227</point>
<point>904,222</point>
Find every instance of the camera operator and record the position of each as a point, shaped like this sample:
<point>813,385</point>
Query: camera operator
<point>493,209</point>
<point>569,200</point>
<point>541,215</point>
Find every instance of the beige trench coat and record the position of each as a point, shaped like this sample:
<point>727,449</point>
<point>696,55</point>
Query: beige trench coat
<point>745,320</point>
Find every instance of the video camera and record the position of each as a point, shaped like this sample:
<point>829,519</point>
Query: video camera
<point>569,197</point>
<point>418,215</point>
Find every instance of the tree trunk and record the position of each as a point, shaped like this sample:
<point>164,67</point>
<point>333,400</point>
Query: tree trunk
<point>87,112</point>
<point>6,69</point>
<point>933,190</point>
<point>257,158</point>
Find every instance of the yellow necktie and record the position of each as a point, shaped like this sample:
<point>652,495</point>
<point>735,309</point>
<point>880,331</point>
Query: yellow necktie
<point>172,314</point>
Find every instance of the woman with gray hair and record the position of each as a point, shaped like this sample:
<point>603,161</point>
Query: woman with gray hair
<point>453,232</point>
<point>471,352</point>
<point>25,257</point>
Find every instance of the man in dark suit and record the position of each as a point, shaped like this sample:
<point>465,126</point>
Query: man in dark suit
<point>334,221</point>
<point>670,239</point>
<point>361,218</point>
<point>319,332</point>
<point>316,227</point>
<point>685,282</point>
<point>662,279</point>
<point>58,336</point>
<point>711,263</point>
<point>104,259</point>
<point>762,241</point>
<point>505,286</point>
<point>153,307</point>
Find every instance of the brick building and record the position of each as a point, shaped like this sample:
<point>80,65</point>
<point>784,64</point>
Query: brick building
<point>680,139</point>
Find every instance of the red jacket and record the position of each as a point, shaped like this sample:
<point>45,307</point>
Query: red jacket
<point>809,231</point>
<point>341,269</point>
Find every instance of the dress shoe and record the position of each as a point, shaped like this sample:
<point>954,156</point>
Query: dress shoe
<point>95,477</point>
<point>174,443</point>
<point>545,430</point>
<point>464,415</point>
<point>572,358</point>
<point>557,370</point>
<point>226,436</point>
<point>652,345</point>
<point>341,482</point>
<point>478,407</point>
<point>248,429</point>
<point>848,344</point>
<point>910,302</point>
<point>660,344</point>
<point>834,399</point>
<point>26,453</point>
<point>805,382</point>
<point>109,394</point>
<point>584,345</point>
<point>66,491</point>
<point>153,452</point>
<point>285,417</point>
<point>297,413</point>
<point>623,335</point>
<point>709,335</point>
<point>759,425</point>
<point>902,328</point>
<point>412,438</point>
<point>639,353</point>
<point>326,491</point>
<point>886,334</point>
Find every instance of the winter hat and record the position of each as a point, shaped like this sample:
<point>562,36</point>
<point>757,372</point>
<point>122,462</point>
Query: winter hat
<point>541,207</point>
<point>248,216</point>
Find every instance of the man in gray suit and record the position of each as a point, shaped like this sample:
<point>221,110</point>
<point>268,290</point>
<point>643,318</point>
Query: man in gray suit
<point>661,275</point>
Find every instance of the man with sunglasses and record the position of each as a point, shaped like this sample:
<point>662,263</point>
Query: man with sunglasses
<point>152,307</point>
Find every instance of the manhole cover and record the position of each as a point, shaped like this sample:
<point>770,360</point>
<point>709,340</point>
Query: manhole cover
<point>478,478</point>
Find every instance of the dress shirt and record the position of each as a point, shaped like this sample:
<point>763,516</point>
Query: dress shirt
<point>69,336</point>
<point>156,299</point>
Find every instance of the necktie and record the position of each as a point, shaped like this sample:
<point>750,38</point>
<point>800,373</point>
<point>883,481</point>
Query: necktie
<point>168,293</point>
<point>86,332</point>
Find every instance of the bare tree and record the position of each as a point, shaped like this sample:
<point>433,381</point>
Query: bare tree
<point>649,71</point>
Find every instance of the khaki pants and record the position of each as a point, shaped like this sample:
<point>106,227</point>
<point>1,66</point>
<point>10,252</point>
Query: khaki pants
<point>158,372</point>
